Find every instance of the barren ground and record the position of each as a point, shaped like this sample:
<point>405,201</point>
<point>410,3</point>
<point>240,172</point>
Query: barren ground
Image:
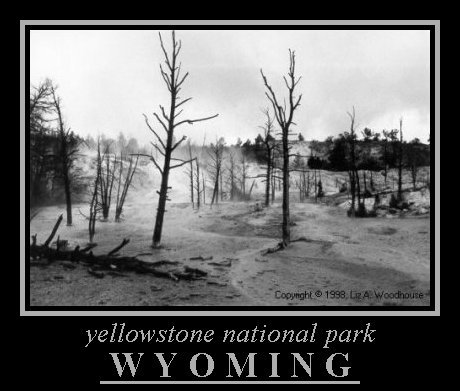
<point>372,254</point>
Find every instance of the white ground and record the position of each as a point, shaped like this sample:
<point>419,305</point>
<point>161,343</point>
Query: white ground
<point>372,254</point>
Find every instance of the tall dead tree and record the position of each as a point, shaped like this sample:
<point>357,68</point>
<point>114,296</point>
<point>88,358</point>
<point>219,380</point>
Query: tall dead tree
<point>169,122</point>
<point>68,147</point>
<point>269,145</point>
<point>284,116</point>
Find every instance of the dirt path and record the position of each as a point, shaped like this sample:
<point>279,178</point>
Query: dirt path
<point>369,255</point>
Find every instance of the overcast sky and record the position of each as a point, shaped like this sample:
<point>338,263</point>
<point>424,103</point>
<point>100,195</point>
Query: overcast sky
<point>107,79</point>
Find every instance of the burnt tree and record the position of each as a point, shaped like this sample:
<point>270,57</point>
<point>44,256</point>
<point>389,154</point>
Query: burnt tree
<point>268,142</point>
<point>169,122</point>
<point>68,147</point>
<point>284,115</point>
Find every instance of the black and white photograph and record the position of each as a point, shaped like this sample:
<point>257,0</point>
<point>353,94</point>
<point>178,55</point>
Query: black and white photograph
<point>196,167</point>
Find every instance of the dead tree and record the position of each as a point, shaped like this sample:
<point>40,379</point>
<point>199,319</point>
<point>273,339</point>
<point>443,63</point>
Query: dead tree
<point>216,155</point>
<point>68,147</point>
<point>232,175</point>
<point>106,182</point>
<point>191,175</point>
<point>221,184</point>
<point>284,116</point>
<point>124,185</point>
<point>110,263</point>
<point>94,205</point>
<point>400,161</point>
<point>352,171</point>
<point>273,178</point>
<point>198,188</point>
<point>244,176</point>
<point>204,190</point>
<point>39,109</point>
<point>199,182</point>
<point>169,122</point>
<point>269,145</point>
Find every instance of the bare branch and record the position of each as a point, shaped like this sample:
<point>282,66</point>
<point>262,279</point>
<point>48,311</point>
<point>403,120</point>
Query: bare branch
<point>155,133</point>
<point>161,122</point>
<point>184,101</point>
<point>183,162</point>
<point>168,63</point>
<point>192,121</point>
<point>150,157</point>
<point>178,143</point>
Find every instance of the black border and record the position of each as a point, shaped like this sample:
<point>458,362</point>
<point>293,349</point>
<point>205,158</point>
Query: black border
<point>95,309</point>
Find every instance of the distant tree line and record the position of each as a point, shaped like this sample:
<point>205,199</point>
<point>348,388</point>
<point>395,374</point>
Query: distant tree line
<point>374,151</point>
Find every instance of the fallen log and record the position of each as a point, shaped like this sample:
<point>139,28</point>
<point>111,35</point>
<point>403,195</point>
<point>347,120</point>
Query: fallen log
<point>109,262</point>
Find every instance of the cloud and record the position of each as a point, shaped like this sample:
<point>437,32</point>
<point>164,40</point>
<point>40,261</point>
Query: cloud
<point>109,78</point>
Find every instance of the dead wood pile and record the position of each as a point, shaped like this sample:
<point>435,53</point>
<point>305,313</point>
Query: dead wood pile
<point>111,262</point>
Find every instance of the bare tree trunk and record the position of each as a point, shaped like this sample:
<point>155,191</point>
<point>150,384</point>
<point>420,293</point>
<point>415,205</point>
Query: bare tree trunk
<point>63,154</point>
<point>204,191</point>
<point>191,175</point>
<point>221,187</point>
<point>231,170</point>
<point>198,185</point>
<point>400,161</point>
<point>268,127</point>
<point>352,170</point>
<point>174,81</point>
<point>129,177</point>
<point>286,227</point>
<point>106,184</point>
<point>284,116</point>
<point>216,156</point>
<point>94,203</point>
